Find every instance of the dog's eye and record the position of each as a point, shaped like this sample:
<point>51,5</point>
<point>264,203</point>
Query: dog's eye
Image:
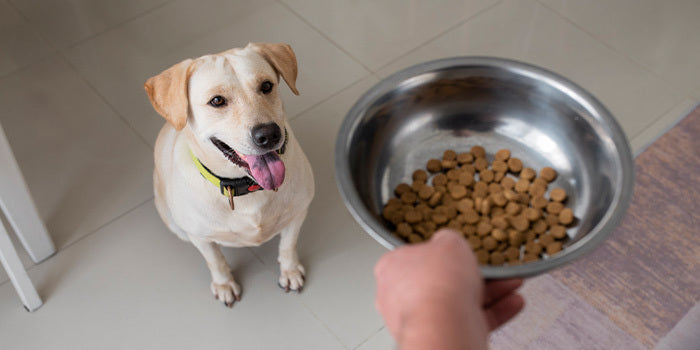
<point>266,87</point>
<point>217,101</point>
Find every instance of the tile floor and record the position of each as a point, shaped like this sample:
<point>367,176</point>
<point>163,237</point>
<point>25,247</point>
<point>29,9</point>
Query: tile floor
<point>78,120</point>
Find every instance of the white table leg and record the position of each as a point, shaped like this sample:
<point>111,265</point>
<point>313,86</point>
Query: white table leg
<point>17,204</point>
<point>18,275</point>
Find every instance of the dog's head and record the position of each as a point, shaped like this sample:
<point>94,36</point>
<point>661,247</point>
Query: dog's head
<point>231,103</point>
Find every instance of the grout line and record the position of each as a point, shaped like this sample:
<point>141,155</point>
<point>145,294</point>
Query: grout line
<point>369,337</point>
<point>325,326</point>
<point>62,55</point>
<point>614,49</point>
<point>52,54</point>
<point>71,244</point>
<point>27,23</point>
<point>347,87</point>
<point>123,119</point>
<point>252,251</point>
<point>666,129</point>
<point>643,67</point>
<point>117,25</point>
<point>450,29</point>
<point>306,307</point>
<point>83,40</point>
<point>324,35</point>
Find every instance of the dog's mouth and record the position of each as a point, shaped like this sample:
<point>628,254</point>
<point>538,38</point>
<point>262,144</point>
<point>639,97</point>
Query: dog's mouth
<point>267,169</point>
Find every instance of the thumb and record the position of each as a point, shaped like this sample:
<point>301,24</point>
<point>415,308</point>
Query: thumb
<point>445,235</point>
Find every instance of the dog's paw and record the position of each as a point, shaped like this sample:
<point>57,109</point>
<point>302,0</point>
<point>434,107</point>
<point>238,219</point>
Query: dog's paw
<point>228,292</point>
<point>292,279</point>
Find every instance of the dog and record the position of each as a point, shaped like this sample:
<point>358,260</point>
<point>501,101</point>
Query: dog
<point>228,169</point>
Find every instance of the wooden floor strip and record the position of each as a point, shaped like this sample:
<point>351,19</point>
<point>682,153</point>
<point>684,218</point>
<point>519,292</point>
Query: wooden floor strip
<point>645,277</point>
<point>556,318</point>
<point>685,335</point>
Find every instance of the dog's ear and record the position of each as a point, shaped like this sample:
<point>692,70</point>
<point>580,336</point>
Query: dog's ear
<point>281,58</point>
<point>168,93</point>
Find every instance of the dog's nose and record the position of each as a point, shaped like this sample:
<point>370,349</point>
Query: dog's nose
<point>266,135</point>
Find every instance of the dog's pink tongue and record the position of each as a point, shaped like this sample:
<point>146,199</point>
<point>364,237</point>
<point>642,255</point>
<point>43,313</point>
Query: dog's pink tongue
<point>267,169</point>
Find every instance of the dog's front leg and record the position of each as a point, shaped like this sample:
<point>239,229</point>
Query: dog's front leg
<point>291,271</point>
<point>222,285</point>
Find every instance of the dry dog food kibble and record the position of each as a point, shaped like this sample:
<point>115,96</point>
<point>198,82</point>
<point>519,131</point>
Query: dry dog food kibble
<point>558,195</point>
<point>434,165</point>
<point>539,202</point>
<point>501,207</point>
<point>402,188</point>
<point>478,151</point>
<point>440,180</point>
<point>515,165</point>
<point>548,174</point>
<point>415,238</point>
<point>527,174</point>
<point>508,183</point>
<point>448,164</point>
<point>499,166</point>
<point>420,175</point>
<point>502,154</point>
<point>497,258</point>
<point>404,229</point>
<point>554,207</point>
<point>449,155</point>
<point>481,163</point>
<point>566,216</point>
<point>465,157</point>
<point>482,256</point>
<point>553,248</point>
<point>426,192</point>
<point>522,185</point>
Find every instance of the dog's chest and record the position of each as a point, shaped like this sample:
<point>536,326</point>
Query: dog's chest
<point>251,226</point>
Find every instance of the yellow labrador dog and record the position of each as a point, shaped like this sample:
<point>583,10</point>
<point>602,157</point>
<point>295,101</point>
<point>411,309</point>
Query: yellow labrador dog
<point>228,169</point>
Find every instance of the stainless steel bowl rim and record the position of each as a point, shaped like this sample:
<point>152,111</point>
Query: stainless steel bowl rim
<point>623,190</point>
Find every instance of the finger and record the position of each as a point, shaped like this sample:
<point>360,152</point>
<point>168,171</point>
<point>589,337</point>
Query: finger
<point>496,289</point>
<point>447,237</point>
<point>389,260</point>
<point>445,234</point>
<point>503,310</point>
<point>381,266</point>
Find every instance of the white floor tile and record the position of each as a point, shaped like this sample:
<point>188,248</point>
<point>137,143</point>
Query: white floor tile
<point>65,22</point>
<point>135,285</point>
<point>381,340</point>
<point>660,126</point>
<point>83,165</point>
<point>662,35</point>
<point>20,46</point>
<point>338,255</point>
<point>695,95</point>
<point>118,62</point>
<point>377,32</point>
<point>529,32</point>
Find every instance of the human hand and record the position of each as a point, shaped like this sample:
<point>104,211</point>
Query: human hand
<point>432,295</point>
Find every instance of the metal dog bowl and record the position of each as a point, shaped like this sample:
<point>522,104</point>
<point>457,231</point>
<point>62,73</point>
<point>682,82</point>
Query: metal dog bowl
<point>543,118</point>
